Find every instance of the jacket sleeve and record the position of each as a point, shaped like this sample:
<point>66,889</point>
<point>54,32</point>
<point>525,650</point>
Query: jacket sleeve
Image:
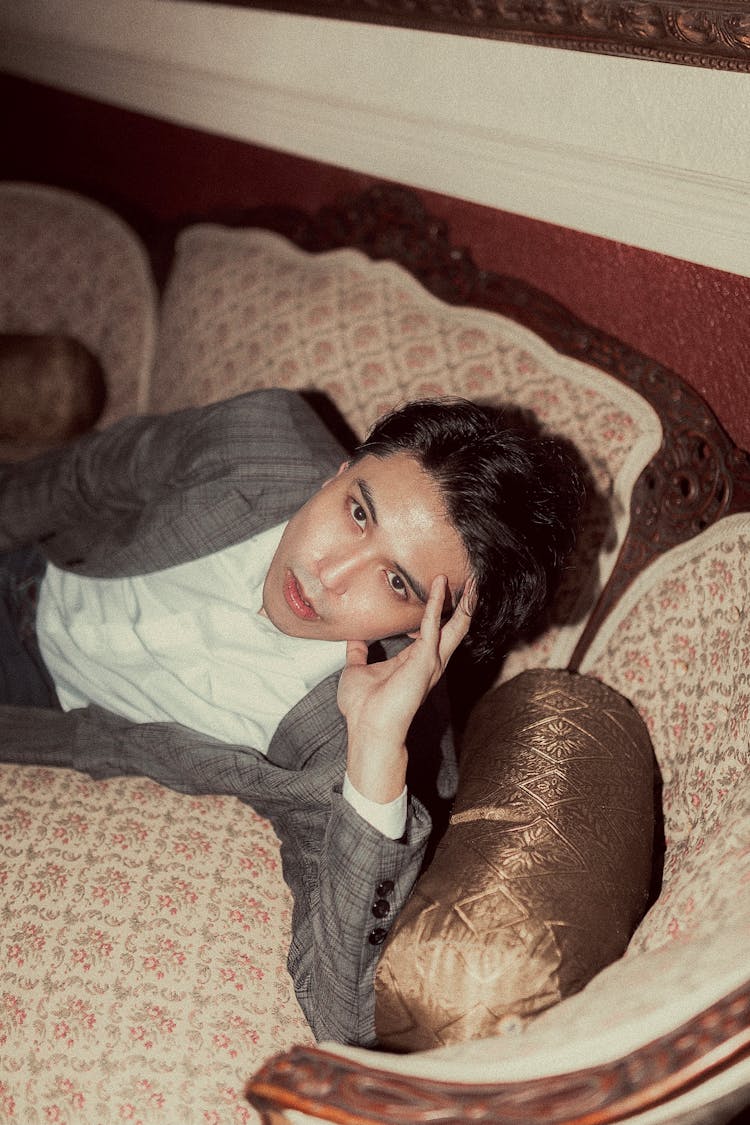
<point>115,471</point>
<point>110,488</point>
<point>337,866</point>
<point>348,890</point>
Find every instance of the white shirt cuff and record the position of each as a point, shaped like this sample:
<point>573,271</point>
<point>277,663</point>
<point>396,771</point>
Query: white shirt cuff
<point>390,819</point>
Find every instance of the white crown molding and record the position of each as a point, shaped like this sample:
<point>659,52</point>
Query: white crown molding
<point>699,217</point>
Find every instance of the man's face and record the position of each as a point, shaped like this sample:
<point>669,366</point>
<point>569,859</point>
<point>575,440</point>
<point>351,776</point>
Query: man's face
<point>357,561</point>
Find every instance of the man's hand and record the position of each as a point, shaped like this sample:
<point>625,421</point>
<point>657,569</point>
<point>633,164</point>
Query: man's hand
<point>379,701</point>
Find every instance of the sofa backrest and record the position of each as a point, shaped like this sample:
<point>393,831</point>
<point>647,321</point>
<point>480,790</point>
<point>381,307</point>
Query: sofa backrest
<point>245,308</point>
<point>677,645</point>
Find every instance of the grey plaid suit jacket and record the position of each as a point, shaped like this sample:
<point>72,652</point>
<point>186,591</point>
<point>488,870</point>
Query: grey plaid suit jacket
<point>153,492</point>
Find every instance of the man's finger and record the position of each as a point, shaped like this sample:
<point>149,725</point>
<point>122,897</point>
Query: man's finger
<point>468,602</point>
<point>356,653</point>
<point>429,630</point>
<point>456,627</point>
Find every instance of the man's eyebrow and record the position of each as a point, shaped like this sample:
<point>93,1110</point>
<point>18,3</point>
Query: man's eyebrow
<point>364,488</point>
<point>416,586</point>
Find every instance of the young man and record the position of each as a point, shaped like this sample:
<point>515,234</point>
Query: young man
<point>195,597</point>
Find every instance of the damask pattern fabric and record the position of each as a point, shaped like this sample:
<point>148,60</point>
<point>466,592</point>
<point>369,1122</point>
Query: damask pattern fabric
<point>245,309</point>
<point>144,941</point>
<point>69,265</point>
<point>543,873</point>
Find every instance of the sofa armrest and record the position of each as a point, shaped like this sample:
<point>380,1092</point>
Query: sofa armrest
<point>702,1065</point>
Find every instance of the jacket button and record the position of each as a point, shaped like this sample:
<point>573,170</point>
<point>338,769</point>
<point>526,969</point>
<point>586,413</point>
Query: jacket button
<point>384,888</point>
<point>381,907</point>
<point>378,936</point>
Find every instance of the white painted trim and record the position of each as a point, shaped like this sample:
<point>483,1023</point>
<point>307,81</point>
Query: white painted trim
<point>456,146</point>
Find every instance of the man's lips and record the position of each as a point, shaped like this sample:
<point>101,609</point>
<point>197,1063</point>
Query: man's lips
<point>295,599</point>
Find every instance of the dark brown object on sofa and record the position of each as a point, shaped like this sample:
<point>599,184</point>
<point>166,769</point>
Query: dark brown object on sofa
<point>52,388</point>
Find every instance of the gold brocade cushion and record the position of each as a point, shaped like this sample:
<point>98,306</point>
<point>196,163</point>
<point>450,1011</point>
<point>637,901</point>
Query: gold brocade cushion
<point>543,873</point>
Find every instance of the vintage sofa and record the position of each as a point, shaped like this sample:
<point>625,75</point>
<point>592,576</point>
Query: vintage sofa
<point>144,932</point>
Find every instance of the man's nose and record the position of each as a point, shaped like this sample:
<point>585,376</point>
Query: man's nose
<point>337,570</point>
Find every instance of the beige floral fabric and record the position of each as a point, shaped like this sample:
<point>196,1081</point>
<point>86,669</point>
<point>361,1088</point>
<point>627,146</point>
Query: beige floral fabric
<point>678,647</point>
<point>245,308</point>
<point>144,938</point>
<point>69,265</point>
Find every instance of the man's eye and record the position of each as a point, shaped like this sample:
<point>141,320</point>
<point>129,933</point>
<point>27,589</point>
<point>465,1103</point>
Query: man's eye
<point>359,515</point>
<point>397,584</point>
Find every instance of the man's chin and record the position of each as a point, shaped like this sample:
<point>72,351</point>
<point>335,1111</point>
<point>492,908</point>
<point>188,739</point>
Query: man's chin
<point>288,623</point>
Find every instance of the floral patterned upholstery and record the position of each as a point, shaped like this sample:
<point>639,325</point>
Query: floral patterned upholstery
<point>245,308</point>
<point>69,265</point>
<point>678,646</point>
<point>142,951</point>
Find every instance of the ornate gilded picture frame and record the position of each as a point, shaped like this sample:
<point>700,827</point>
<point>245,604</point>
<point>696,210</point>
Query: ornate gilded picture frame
<point>675,31</point>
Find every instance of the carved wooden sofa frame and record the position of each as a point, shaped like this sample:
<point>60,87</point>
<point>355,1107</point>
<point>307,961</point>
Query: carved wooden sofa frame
<point>697,477</point>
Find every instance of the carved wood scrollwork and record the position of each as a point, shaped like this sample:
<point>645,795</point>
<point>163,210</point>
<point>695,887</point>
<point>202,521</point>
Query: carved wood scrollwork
<point>691,32</point>
<point>342,1090</point>
<point>698,475</point>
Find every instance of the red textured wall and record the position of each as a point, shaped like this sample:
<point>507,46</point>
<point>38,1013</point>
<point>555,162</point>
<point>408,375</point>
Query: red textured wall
<point>693,319</point>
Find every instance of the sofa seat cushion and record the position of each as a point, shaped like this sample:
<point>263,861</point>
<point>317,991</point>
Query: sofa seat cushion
<point>245,308</point>
<point>543,873</point>
<point>145,934</point>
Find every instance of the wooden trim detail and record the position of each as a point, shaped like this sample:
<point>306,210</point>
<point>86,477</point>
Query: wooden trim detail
<point>691,33</point>
<point>348,1092</point>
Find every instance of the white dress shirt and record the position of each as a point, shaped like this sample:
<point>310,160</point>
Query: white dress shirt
<point>189,645</point>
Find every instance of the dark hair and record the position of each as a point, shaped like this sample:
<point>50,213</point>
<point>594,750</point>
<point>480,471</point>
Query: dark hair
<point>513,495</point>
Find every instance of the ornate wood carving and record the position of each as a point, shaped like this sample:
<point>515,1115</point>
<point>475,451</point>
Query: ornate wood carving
<point>697,476</point>
<point>690,32</point>
<point>341,1090</point>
